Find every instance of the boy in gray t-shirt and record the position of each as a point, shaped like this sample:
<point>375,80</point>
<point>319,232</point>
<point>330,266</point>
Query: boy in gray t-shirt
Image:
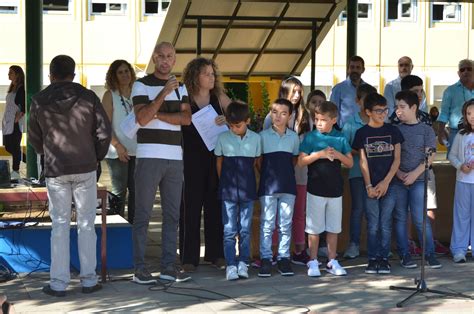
<point>409,180</point>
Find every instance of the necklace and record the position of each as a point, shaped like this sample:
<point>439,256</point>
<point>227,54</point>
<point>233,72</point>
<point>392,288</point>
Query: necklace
<point>126,104</point>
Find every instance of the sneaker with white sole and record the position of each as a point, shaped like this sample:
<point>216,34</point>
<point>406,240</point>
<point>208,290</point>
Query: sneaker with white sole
<point>174,273</point>
<point>143,277</point>
<point>407,262</point>
<point>243,270</point>
<point>231,273</point>
<point>459,258</point>
<point>352,251</point>
<point>333,267</point>
<point>313,268</point>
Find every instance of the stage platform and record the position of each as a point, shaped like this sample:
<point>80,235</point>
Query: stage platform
<point>27,248</point>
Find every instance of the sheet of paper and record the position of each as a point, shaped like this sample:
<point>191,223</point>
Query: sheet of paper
<point>204,122</point>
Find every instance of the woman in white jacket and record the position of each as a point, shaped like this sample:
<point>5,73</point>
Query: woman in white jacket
<point>461,157</point>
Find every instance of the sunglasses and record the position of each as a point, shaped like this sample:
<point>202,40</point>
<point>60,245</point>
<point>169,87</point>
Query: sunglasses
<point>469,69</point>
<point>380,111</point>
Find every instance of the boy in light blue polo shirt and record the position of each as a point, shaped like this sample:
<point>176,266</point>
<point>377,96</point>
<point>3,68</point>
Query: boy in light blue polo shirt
<point>236,151</point>
<point>277,190</point>
<point>356,182</point>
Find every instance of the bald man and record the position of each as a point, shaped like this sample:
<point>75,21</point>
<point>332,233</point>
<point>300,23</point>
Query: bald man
<point>405,66</point>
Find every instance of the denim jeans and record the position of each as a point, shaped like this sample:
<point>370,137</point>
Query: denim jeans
<point>379,224</point>
<point>277,206</point>
<point>122,177</point>
<point>237,221</point>
<point>410,197</point>
<point>62,191</point>
<point>359,197</point>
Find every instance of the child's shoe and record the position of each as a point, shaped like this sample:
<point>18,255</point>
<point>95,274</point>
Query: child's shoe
<point>459,258</point>
<point>413,248</point>
<point>432,262</point>
<point>333,267</point>
<point>231,273</point>
<point>265,268</point>
<point>384,266</point>
<point>313,268</point>
<point>284,267</point>
<point>407,262</point>
<point>440,249</point>
<point>243,270</point>
<point>300,259</point>
<point>352,251</point>
<point>372,267</point>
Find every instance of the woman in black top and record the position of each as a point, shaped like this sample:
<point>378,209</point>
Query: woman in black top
<point>14,111</point>
<point>200,175</point>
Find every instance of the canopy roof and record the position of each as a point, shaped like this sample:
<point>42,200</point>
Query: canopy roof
<point>248,37</point>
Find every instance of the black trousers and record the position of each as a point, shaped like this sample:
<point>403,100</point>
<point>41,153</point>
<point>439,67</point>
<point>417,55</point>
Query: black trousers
<point>12,144</point>
<point>200,195</point>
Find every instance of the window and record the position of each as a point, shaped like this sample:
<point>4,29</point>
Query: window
<point>3,92</point>
<point>445,12</point>
<point>55,6</point>
<point>107,7</point>
<point>151,7</point>
<point>401,10</point>
<point>9,6</point>
<point>364,11</point>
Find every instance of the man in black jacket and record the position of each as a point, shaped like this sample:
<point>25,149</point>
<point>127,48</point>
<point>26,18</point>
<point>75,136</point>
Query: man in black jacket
<point>69,126</point>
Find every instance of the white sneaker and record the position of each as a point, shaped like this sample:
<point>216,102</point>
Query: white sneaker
<point>352,251</point>
<point>231,273</point>
<point>313,268</point>
<point>333,267</point>
<point>243,270</point>
<point>15,175</point>
<point>459,258</point>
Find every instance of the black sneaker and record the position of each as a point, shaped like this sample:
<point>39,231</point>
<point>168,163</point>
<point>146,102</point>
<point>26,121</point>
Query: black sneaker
<point>432,262</point>
<point>284,267</point>
<point>174,273</point>
<point>407,262</point>
<point>54,293</point>
<point>265,268</point>
<point>143,277</point>
<point>92,289</point>
<point>372,267</point>
<point>384,266</point>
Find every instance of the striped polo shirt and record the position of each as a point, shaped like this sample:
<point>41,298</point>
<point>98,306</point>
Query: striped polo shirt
<point>278,172</point>
<point>159,139</point>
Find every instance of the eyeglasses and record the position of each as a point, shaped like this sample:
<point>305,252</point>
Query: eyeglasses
<point>380,111</point>
<point>469,69</point>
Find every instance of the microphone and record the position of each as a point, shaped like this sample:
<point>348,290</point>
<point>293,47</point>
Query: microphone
<point>176,90</point>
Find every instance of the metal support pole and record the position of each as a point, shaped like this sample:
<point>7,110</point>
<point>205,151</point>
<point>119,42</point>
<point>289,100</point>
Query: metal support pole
<point>34,68</point>
<point>199,37</point>
<point>351,28</point>
<point>313,54</point>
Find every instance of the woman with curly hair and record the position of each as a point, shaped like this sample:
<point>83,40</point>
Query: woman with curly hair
<point>200,175</point>
<point>121,155</point>
<point>14,112</point>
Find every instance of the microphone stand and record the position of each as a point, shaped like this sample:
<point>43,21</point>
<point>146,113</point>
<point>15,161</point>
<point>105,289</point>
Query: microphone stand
<point>421,286</point>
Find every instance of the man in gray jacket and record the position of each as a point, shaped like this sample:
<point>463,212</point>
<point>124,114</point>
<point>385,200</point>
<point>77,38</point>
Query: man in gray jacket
<point>68,124</point>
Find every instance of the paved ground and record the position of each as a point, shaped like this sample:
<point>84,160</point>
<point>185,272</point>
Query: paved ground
<point>208,291</point>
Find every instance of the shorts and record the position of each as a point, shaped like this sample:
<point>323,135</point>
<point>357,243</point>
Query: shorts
<point>323,214</point>
<point>431,199</point>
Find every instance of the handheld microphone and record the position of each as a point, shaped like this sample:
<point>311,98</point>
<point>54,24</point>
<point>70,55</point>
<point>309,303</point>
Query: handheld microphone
<point>176,90</point>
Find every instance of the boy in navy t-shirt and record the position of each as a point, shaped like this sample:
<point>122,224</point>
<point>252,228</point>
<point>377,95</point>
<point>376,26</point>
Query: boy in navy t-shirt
<point>277,191</point>
<point>379,145</point>
<point>236,151</point>
<point>323,151</point>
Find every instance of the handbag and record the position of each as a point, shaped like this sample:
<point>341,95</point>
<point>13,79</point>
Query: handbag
<point>130,126</point>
